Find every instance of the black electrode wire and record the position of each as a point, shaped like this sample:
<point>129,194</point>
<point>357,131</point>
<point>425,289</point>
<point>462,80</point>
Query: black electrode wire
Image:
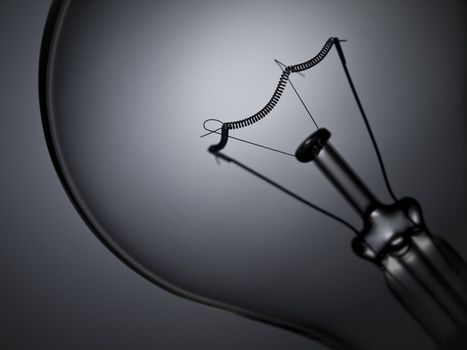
<point>241,123</point>
<point>281,86</point>
<point>286,191</point>
<point>271,182</point>
<point>367,125</point>
<point>283,66</point>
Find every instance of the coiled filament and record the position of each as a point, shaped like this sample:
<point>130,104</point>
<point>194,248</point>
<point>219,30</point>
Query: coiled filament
<point>271,104</point>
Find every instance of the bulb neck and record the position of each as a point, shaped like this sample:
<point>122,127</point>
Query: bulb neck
<point>318,149</point>
<point>385,227</point>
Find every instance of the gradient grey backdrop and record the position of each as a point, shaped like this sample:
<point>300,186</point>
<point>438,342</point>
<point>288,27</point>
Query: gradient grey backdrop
<point>62,289</point>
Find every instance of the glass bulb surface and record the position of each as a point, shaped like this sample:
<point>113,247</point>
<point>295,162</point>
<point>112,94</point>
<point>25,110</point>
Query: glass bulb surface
<point>126,88</point>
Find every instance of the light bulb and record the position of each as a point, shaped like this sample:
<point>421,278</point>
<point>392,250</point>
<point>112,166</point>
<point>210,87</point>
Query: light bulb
<point>125,87</point>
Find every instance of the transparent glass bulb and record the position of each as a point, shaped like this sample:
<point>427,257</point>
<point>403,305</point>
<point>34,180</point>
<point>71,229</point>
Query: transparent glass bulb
<point>125,87</point>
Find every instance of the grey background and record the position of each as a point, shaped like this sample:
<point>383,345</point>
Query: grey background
<point>61,288</point>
